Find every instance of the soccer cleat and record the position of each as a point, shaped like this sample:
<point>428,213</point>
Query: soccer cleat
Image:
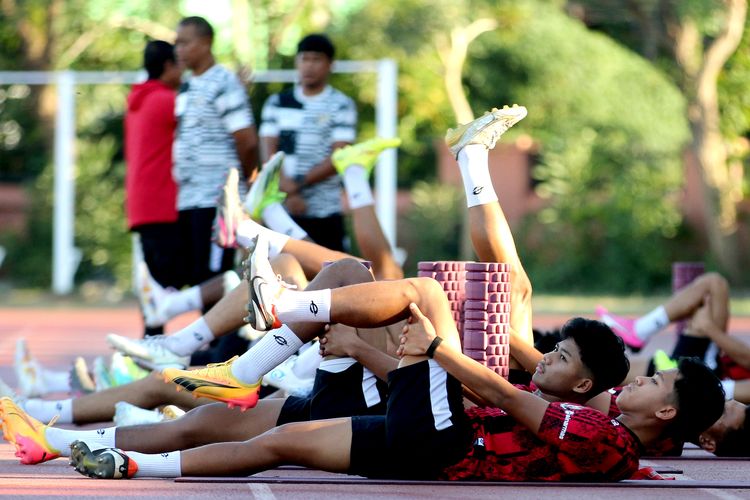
<point>283,377</point>
<point>363,154</point>
<point>28,371</point>
<point>486,129</point>
<point>216,382</point>
<point>151,297</point>
<point>26,433</point>
<point>623,328</point>
<point>662,361</point>
<point>265,288</point>
<point>123,370</point>
<point>128,414</point>
<point>150,352</point>
<point>265,190</point>
<point>80,380</point>
<point>228,212</point>
<point>106,463</point>
<point>101,374</point>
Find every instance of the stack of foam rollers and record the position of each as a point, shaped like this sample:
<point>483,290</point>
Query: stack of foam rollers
<point>479,297</point>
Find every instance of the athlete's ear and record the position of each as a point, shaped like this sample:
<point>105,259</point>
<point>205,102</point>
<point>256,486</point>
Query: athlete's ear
<point>584,385</point>
<point>707,442</point>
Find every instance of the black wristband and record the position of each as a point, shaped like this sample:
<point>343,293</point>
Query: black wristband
<point>434,345</point>
<point>300,179</point>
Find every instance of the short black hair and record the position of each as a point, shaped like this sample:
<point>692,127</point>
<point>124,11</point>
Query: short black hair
<point>202,27</point>
<point>317,42</point>
<point>156,53</point>
<point>736,443</point>
<point>699,398</point>
<point>545,342</point>
<point>602,352</point>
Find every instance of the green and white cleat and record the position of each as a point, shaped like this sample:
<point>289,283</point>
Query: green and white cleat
<point>265,189</point>
<point>363,154</point>
<point>486,129</point>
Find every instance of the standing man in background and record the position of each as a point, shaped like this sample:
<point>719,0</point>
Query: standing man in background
<point>215,132</point>
<point>150,191</point>
<point>308,123</point>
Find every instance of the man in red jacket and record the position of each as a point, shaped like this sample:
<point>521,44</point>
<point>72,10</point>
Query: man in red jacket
<point>151,192</point>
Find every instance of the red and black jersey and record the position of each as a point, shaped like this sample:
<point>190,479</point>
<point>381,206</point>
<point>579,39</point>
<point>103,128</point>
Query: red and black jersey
<point>574,443</point>
<point>666,447</point>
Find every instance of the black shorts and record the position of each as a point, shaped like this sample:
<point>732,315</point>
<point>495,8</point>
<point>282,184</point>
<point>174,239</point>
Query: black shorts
<point>336,395</point>
<point>424,430</point>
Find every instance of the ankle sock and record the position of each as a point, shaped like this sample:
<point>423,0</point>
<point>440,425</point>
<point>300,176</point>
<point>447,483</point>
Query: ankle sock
<point>357,187</point>
<point>60,439</point>
<point>475,173</point>
<point>278,219</point>
<point>653,322</point>
<point>269,352</point>
<point>190,339</point>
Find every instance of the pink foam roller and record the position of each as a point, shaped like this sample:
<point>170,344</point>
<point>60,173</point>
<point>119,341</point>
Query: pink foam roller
<point>476,290</point>
<point>476,305</point>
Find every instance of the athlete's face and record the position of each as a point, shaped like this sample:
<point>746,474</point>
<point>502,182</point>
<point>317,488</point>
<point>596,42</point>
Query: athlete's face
<point>191,48</point>
<point>649,394</point>
<point>561,372</point>
<point>313,68</point>
<point>732,419</point>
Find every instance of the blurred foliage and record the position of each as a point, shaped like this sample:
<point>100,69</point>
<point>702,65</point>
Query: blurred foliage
<point>608,126</point>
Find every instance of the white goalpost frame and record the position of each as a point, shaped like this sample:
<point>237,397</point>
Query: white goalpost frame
<point>66,257</point>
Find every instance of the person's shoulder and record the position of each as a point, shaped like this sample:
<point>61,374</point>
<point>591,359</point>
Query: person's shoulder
<point>337,94</point>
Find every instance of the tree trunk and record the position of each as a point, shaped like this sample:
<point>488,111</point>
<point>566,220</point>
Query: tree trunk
<point>720,189</point>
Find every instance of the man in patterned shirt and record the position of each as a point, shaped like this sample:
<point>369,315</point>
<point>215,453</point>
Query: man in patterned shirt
<point>215,131</point>
<point>308,123</point>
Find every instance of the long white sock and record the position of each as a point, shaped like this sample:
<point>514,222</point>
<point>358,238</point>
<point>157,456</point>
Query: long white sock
<point>357,187</point>
<point>307,362</point>
<point>653,322</point>
<point>278,219</point>
<point>60,439</point>
<point>176,303</point>
<point>56,380</point>
<point>45,411</point>
<point>231,281</point>
<point>475,173</point>
<point>248,229</point>
<point>156,465</point>
<point>313,305</point>
<point>270,351</point>
<point>191,338</point>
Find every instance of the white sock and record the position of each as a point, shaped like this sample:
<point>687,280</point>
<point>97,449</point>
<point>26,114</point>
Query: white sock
<point>55,380</point>
<point>728,386</point>
<point>45,411</point>
<point>278,219</point>
<point>190,339</point>
<point>156,465</point>
<point>270,351</point>
<point>475,172</point>
<point>176,303</point>
<point>307,362</point>
<point>313,305</point>
<point>248,229</point>
<point>653,322</point>
<point>357,187</point>
<point>231,281</point>
<point>60,439</point>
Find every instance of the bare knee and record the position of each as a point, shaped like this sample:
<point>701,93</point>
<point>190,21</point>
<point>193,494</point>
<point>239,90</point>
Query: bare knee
<point>349,271</point>
<point>716,283</point>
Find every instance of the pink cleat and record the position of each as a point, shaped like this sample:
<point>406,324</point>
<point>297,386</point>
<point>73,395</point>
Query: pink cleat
<point>623,328</point>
